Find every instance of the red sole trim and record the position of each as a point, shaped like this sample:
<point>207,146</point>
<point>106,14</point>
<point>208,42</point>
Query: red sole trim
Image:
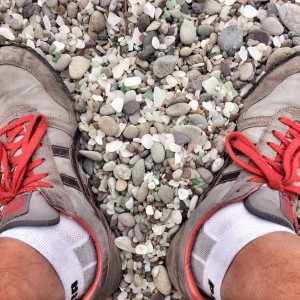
<point>194,291</point>
<point>88,295</point>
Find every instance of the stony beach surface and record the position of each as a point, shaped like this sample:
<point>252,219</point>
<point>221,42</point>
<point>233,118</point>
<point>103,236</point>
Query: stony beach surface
<point>158,85</point>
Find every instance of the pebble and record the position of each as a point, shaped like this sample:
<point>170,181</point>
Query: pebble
<point>272,26</point>
<point>93,155</point>
<point>164,66</point>
<point>22,3</point>
<point>158,152</point>
<point>72,10</point>
<point>217,164</point>
<point>108,125</point>
<point>141,249</point>
<point>122,171</point>
<point>246,71</point>
<point>130,132</point>
<point>142,192</point>
<point>78,66</point>
<point>97,22</point>
<point>143,22</point>
<point>277,56</point>
<point>290,15</point>
<point>187,32</point>
<point>51,3</point>
<point>161,279</point>
<point>186,51</point>
<point>250,12</point>
<point>205,30</point>
<point>138,172</point>
<point>88,166</point>
<point>177,110</point>
<point>126,219</point>
<point>231,38</point>
<point>212,7</point>
<point>121,185</point>
<point>124,243</point>
<point>166,194</point>
<point>131,107</point>
<point>181,138</point>
<point>63,62</point>
<point>205,174</point>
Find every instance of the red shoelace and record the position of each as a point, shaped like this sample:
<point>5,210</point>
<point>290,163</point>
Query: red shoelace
<point>17,176</point>
<point>279,174</point>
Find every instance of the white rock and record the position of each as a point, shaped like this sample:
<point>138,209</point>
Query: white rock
<point>176,216</point>
<point>59,47</point>
<point>141,249</point>
<point>118,71</point>
<point>124,243</point>
<point>171,80</point>
<point>159,96</point>
<point>210,85</point>
<point>158,229</point>
<point>183,194</point>
<point>5,32</point>
<point>132,81</point>
<point>255,53</point>
<point>149,210</point>
<point>117,104</point>
<point>174,147</point>
<point>193,203</point>
<point>113,19</point>
<point>149,9</point>
<point>194,104</point>
<point>147,141</point>
<point>113,146</point>
<point>157,214</point>
<point>243,53</point>
<point>155,43</point>
<point>249,12</point>
<point>217,164</point>
<point>122,296</point>
<point>229,2</point>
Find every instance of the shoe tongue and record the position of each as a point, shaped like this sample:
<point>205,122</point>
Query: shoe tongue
<point>28,209</point>
<point>271,205</point>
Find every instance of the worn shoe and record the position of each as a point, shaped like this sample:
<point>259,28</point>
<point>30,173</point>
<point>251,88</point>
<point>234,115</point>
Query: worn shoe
<point>41,175</point>
<point>262,170</point>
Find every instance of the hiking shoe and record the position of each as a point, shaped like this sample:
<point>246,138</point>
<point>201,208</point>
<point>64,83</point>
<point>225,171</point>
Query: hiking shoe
<point>41,175</point>
<point>261,171</point>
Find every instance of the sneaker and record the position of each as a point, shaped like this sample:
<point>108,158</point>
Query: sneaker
<point>41,175</point>
<point>261,171</point>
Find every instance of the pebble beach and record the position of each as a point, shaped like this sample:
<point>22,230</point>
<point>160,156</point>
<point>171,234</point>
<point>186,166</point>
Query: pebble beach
<point>157,86</point>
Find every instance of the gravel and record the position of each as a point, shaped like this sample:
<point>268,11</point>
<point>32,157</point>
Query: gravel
<point>157,88</point>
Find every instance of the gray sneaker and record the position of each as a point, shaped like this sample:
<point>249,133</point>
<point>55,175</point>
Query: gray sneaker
<point>262,170</point>
<point>41,175</point>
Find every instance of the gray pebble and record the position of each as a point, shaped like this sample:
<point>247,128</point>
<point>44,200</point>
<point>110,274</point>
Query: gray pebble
<point>28,11</point>
<point>63,62</point>
<point>164,66</point>
<point>205,174</point>
<point>205,30</point>
<point>138,233</point>
<point>212,7</point>
<point>108,125</point>
<point>290,16</point>
<point>166,194</point>
<point>130,132</point>
<point>272,26</point>
<point>131,107</point>
<point>122,171</point>
<point>138,172</point>
<point>78,66</point>
<point>22,3</point>
<point>107,110</point>
<point>97,22</point>
<point>198,120</point>
<point>231,38</point>
<point>277,56</point>
<point>88,166</point>
<point>143,22</point>
<point>158,152</point>
<point>181,138</point>
<point>188,32</point>
<point>142,192</point>
<point>51,3</point>
<point>177,110</point>
<point>126,219</point>
<point>93,155</point>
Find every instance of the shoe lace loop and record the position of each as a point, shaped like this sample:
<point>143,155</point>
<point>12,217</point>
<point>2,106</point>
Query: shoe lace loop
<point>279,173</point>
<point>23,139</point>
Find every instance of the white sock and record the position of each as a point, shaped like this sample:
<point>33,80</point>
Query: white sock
<point>67,247</point>
<point>220,239</point>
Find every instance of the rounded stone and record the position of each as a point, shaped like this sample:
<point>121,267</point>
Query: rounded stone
<point>164,66</point>
<point>161,279</point>
<point>187,32</point>
<point>278,55</point>
<point>97,22</point>
<point>72,10</point>
<point>122,171</point>
<point>231,38</point>
<point>166,194</point>
<point>130,132</point>
<point>63,62</point>
<point>51,3</point>
<point>138,172</point>
<point>121,186</point>
<point>126,219</point>
<point>131,107</point>
<point>158,152</point>
<point>78,66</point>
<point>246,71</point>
<point>108,125</point>
<point>272,26</point>
<point>186,51</point>
<point>22,3</point>
<point>177,110</point>
<point>143,22</point>
<point>212,7</point>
